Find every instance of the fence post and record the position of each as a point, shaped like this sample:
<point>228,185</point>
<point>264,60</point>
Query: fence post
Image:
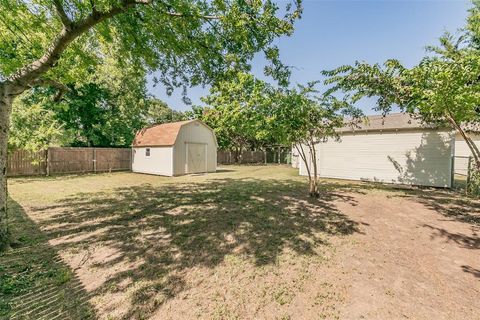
<point>279,155</point>
<point>468,174</point>
<point>131,159</point>
<point>47,164</point>
<point>94,160</point>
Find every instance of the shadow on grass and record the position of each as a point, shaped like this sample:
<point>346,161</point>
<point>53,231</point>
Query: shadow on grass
<point>472,271</point>
<point>449,203</point>
<point>161,231</point>
<point>34,282</point>
<point>462,240</point>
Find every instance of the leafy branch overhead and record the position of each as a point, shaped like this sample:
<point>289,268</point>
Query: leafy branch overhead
<point>187,42</point>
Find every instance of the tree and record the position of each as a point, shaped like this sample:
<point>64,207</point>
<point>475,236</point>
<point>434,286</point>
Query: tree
<point>104,111</point>
<point>305,119</point>
<point>91,115</point>
<point>87,115</point>
<point>159,112</point>
<point>34,127</point>
<point>443,89</point>
<point>237,111</point>
<point>188,42</point>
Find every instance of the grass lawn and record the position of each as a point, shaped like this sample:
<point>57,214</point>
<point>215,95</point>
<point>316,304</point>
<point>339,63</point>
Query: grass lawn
<point>242,243</point>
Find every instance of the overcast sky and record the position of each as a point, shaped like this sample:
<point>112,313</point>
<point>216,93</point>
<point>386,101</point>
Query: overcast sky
<point>333,33</point>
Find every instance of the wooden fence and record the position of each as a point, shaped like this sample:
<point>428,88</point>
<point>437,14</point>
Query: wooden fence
<point>82,160</point>
<point>227,157</point>
<point>68,160</point>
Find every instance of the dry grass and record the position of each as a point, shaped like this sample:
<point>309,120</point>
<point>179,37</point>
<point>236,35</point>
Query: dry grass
<point>243,243</point>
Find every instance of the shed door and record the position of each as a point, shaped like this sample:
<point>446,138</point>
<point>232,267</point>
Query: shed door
<point>196,157</point>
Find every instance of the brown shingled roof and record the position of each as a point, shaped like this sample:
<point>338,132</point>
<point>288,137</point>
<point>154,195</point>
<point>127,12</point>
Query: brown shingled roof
<point>393,121</point>
<point>159,135</point>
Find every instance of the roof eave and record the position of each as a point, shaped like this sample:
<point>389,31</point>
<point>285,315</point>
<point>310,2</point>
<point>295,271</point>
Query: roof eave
<point>392,129</point>
<point>151,145</point>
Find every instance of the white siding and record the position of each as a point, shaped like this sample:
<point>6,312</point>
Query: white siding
<point>413,157</point>
<point>295,158</point>
<point>159,162</point>
<point>194,132</point>
<point>462,152</point>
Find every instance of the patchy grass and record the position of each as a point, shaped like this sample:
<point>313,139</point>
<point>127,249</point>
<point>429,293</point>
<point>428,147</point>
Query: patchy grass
<point>245,242</point>
<point>34,282</point>
<point>241,242</point>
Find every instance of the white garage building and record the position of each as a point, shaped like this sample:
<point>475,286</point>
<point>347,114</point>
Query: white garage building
<point>394,149</point>
<point>176,148</point>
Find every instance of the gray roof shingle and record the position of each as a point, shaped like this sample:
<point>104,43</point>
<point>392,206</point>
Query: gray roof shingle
<point>393,121</point>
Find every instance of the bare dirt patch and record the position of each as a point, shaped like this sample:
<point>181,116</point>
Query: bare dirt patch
<point>248,243</point>
<point>408,261</point>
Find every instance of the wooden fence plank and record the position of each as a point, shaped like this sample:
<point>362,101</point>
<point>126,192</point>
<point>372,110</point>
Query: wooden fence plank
<point>226,157</point>
<point>64,160</point>
<point>24,163</point>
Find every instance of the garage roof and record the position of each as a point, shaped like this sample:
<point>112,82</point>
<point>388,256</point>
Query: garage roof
<point>159,135</point>
<point>393,121</point>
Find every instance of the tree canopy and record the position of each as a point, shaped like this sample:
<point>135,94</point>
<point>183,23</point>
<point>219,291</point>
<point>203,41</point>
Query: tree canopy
<point>89,115</point>
<point>186,42</point>
<point>237,110</point>
<point>304,117</point>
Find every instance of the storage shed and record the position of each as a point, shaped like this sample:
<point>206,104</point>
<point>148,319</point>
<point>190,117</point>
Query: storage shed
<point>392,149</point>
<point>176,148</point>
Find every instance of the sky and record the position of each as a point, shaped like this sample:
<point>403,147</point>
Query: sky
<point>332,33</point>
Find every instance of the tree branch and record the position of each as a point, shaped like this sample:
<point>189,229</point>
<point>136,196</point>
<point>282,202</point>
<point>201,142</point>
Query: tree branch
<point>25,76</point>
<point>67,23</point>
<point>94,7</point>
<point>61,88</point>
<point>206,17</point>
<point>178,14</point>
<point>31,72</point>
<point>49,82</point>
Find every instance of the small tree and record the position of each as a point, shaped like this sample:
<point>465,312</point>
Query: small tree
<point>306,120</point>
<point>159,112</point>
<point>237,111</point>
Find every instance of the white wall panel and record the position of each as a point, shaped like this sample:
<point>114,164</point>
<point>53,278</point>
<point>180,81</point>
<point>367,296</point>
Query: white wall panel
<point>159,162</point>
<point>462,152</point>
<point>407,157</point>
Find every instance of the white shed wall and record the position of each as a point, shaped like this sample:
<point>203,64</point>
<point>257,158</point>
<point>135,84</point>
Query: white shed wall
<point>407,157</point>
<point>194,132</point>
<point>159,162</point>
<point>462,152</point>
<point>295,158</point>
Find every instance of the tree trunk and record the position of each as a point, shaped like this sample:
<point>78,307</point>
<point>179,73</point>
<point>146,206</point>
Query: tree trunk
<point>30,74</point>
<point>314,182</point>
<point>237,153</point>
<point>6,100</point>
<point>312,176</point>
<point>471,145</point>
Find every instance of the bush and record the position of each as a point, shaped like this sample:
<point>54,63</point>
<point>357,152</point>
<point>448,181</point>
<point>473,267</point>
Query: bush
<point>473,181</point>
